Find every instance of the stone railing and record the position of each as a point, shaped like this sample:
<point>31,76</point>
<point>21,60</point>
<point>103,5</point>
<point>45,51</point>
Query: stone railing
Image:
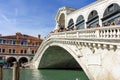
<point>106,35</point>
<point>111,32</point>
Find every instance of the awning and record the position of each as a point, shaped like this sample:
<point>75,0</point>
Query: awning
<point>1,61</point>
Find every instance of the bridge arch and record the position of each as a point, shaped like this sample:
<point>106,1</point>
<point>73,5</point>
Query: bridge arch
<point>61,21</point>
<point>80,22</point>
<point>93,19</point>
<point>70,24</point>
<point>69,51</point>
<point>111,14</point>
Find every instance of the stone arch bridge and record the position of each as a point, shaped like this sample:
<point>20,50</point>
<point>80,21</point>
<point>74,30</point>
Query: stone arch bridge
<point>96,51</point>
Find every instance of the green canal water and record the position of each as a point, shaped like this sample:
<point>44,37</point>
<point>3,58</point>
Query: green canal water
<point>27,74</point>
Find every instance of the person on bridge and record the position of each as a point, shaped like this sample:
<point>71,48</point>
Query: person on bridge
<point>118,23</point>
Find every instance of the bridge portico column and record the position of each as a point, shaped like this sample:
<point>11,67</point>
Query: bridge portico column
<point>100,21</point>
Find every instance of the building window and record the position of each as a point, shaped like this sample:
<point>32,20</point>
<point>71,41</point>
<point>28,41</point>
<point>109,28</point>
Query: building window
<point>32,51</point>
<point>3,50</point>
<point>21,51</point>
<point>4,41</point>
<point>10,51</point>
<point>12,42</point>
<point>32,44</point>
<point>0,50</point>
<point>25,51</point>
<point>0,41</point>
<point>14,51</point>
<point>37,44</point>
<point>23,42</point>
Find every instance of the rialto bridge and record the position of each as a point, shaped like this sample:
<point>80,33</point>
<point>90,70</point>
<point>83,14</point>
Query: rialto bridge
<point>74,45</point>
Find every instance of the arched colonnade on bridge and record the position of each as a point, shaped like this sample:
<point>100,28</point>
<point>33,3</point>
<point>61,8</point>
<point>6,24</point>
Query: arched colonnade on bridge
<point>109,15</point>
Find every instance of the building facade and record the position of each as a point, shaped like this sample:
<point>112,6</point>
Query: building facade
<point>19,47</point>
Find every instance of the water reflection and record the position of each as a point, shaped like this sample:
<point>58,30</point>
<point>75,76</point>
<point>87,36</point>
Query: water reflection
<point>27,74</point>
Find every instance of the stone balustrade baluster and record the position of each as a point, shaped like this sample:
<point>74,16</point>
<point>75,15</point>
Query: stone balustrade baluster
<point>118,33</point>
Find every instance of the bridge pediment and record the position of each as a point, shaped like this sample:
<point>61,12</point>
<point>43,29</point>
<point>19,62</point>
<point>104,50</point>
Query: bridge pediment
<point>64,10</point>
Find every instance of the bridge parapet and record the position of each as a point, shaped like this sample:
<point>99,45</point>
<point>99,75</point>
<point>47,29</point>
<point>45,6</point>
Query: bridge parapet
<point>96,49</point>
<point>103,36</point>
<point>111,32</point>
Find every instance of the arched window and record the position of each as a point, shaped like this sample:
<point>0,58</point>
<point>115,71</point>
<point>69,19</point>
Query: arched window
<point>80,23</point>
<point>111,14</point>
<point>70,24</point>
<point>93,19</point>
<point>61,22</point>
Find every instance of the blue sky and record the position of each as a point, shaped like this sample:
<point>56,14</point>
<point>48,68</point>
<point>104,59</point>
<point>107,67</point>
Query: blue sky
<point>32,17</point>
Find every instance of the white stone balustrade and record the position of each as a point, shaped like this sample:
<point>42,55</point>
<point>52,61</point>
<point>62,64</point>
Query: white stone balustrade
<point>110,32</point>
<point>104,34</point>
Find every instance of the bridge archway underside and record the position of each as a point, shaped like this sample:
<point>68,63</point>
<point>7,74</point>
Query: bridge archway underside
<point>56,57</point>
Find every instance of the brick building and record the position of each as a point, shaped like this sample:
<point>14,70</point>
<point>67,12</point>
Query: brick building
<point>19,47</point>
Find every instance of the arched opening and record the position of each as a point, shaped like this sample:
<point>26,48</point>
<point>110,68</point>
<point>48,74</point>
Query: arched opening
<point>56,57</point>
<point>10,61</point>
<point>70,25</point>
<point>61,22</point>
<point>93,19</point>
<point>22,60</point>
<point>111,15</point>
<point>80,23</point>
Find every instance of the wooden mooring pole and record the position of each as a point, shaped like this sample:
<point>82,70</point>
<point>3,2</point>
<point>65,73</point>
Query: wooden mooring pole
<point>1,72</point>
<point>16,71</point>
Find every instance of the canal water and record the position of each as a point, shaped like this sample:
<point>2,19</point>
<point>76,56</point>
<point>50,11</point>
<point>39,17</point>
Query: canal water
<point>28,74</point>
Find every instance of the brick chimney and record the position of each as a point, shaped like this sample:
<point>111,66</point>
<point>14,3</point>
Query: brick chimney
<point>39,36</point>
